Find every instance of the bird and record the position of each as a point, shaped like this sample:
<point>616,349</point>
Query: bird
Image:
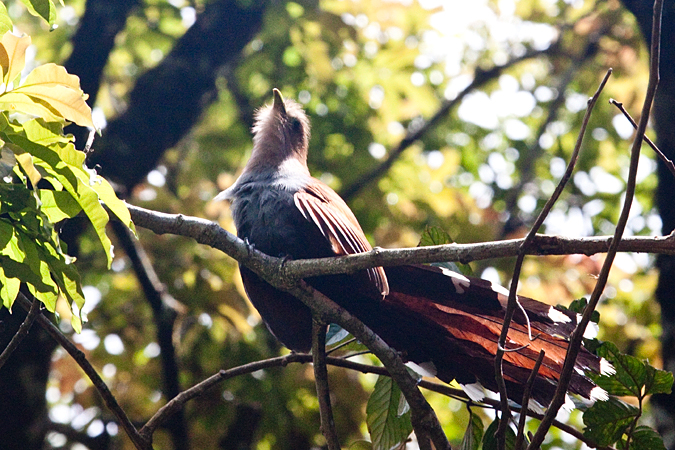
<point>445,323</point>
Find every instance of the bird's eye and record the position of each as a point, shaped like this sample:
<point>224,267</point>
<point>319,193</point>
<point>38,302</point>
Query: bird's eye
<point>296,125</point>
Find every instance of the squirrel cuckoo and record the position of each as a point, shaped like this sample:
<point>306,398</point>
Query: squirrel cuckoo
<point>437,318</point>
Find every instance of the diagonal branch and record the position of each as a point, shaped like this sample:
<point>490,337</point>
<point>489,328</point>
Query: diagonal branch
<point>22,332</point>
<point>664,159</point>
<point>139,442</point>
<point>513,302</point>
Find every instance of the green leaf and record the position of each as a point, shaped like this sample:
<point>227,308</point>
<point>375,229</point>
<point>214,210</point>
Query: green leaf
<point>606,422</point>
<point>387,428</point>
<point>579,305</point>
<point>473,434</point>
<point>662,382</point>
<point>107,195</point>
<point>490,441</point>
<point>58,205</point>
<point>42,8</point>
<point>5,21</point>
<point>9,289</point>
<point>434,236</point>
<point>633,377</point>
<point>644,438</point>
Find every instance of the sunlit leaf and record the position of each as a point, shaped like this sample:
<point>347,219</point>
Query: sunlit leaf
<point>19,102</point>
<point>42,8</point>
<point>25,160</point>
<point>60,90</point>
<point>5,21</point>
<point>9,289</point>
<point>58,205</point>
<point>12,56</point>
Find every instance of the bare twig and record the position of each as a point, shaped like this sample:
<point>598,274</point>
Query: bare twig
<point>22,332</point>
<point>664,159</point>
<point>513,302</point>
<point>575,341</point>
<point>520,436</point>
<point>481,77</point>
<point>139,442</point>
<point>321,381</point>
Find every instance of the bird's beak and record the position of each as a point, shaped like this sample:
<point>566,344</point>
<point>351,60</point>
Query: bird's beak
<point>278,104</point>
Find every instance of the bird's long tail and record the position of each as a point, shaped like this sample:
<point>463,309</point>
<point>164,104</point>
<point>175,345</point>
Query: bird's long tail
<point>451,323</point>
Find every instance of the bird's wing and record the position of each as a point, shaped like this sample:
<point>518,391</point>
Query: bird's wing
<point>319,204</point>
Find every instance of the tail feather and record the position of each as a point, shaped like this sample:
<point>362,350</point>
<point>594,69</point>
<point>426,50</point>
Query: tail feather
<point>463,319</point>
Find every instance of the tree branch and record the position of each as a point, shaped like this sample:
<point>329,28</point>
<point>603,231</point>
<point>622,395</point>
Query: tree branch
<point>165,309</point>
<point>321,382</point>
<point>210,233</point>
<point>108,398</point>
<point>512,301</point>
<point>664,159</point>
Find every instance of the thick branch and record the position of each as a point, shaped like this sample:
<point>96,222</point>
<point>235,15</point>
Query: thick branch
<point>210,233</point>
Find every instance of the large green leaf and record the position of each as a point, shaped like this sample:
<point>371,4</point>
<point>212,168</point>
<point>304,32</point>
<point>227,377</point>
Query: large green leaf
<point>607,421</point>
<point>473,434</point>
<point>633,377</point>
<point>644,438</point>
<point>388,429</point>
<point>58,205</point>
<point>490,441</point>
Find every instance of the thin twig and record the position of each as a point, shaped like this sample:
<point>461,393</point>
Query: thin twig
<point>513,301</point>
<point>139,442</point>
<point>575,341</point>
<point>520,436</point>
<point>321,381</point>
<point>664,159</point>
<point>22,332</point>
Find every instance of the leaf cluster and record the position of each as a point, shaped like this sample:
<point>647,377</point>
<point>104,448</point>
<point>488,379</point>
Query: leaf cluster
<point>44,179</point>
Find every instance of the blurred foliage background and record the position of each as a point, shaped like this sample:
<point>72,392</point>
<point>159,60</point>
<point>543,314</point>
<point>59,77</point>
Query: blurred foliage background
<point>175,85</point>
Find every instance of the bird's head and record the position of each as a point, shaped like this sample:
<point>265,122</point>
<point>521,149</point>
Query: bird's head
<point>281,131</point>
